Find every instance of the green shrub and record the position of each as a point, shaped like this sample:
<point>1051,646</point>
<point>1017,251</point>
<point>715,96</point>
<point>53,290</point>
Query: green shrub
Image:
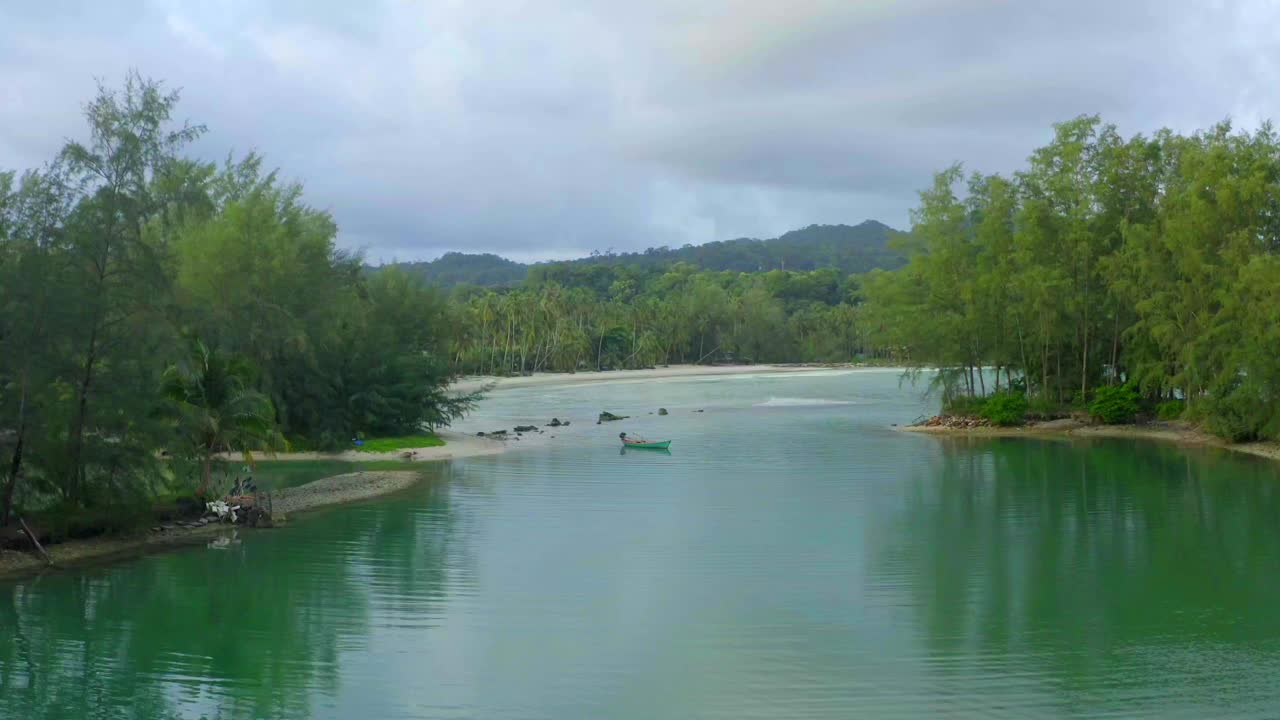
<point>1041,409</point>
<point>964,405</point>
<point>1240,413</point>
<point>1005,408</point>
<point>1171,409</point>
<point>1114,404</point>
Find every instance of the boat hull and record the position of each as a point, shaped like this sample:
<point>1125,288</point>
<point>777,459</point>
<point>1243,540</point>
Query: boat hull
<point>648,445</point>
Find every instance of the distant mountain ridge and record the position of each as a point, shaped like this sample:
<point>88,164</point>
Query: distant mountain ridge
<point>849,248</point>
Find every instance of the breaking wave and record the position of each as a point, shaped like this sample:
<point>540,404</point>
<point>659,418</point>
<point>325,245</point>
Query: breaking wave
<point>800,402</point>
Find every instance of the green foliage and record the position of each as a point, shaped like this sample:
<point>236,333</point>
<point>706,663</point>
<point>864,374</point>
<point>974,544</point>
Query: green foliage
<point>407,442</point>
<point>1171,409</point>
<point>120,249</point>
<point>1152,262</point>
<point>1005,408</point>
<point>1240,414</point>
<point>1114,404</point>
<point>964,405</point>
<point>216,409</point>
<point>599,317</point>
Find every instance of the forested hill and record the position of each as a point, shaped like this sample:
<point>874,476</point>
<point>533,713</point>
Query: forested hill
<point>848,248</point>
<point>457,268</point>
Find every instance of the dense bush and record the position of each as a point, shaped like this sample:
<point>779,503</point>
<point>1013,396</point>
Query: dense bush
<point>1171,409</point>
<point>964,405</point>
<point>1005,408</point>
<point>1238,414</point>
<point>1114,404</point>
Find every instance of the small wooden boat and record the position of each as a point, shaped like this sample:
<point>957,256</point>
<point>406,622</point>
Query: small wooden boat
<point>643,444</point>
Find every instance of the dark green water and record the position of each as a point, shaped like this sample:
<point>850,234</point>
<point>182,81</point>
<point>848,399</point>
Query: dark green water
<point>787,560</point>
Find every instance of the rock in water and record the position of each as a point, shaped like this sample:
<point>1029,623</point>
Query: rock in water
<point>607,416</point>
<point>525,428</point>
<point>662,411</point>
<point>555,422</point>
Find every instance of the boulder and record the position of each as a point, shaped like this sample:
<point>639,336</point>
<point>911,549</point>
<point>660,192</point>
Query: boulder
<point>555,422</point>
<point>525,428</point>
<point>662,411</point>
<point>607,416</point>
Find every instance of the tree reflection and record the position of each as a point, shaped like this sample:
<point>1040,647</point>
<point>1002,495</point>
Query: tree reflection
<point>1060,554</point>
<point>255,630</point>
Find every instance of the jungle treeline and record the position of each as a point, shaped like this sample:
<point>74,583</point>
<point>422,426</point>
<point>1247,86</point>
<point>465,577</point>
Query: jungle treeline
<point>157,310</point>
<point>1148,263</point>
<point>1140,273</point>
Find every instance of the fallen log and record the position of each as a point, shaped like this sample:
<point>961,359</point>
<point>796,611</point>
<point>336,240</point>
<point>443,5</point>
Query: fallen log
<point>35,542</point>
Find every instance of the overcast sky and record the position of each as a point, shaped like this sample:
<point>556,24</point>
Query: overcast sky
<point>551,128</point>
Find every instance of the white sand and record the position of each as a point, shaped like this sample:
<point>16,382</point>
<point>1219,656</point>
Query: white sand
<point>471,384</point>
<point>456,446</point>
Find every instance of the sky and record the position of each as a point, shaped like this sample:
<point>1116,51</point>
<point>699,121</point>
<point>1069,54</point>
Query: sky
<point>548,129</point>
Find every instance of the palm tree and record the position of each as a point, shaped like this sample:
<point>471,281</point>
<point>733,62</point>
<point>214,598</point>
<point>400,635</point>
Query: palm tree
<point>217,409</point>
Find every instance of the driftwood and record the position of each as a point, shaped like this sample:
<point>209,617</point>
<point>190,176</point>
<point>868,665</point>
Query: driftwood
<point>34,541</point>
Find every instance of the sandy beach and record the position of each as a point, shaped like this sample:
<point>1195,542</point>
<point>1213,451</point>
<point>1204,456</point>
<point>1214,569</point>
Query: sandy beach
<point>457,445</point>
<point>471,384</point>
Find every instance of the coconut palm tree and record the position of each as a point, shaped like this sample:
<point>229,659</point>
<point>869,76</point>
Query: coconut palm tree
<point>216,408</point>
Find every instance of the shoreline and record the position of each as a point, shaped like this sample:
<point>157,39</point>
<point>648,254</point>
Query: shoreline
<point>1177,433</point>
<point>477,382</point>
<point>456,446</point>
<point>358,486</point>
<point>324,492</point>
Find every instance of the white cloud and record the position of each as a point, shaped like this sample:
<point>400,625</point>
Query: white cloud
<point>549,128</point>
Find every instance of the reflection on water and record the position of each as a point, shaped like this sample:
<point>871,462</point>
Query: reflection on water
<point>1117,574</point>
<point>252,630</point>
<point>791,560</point>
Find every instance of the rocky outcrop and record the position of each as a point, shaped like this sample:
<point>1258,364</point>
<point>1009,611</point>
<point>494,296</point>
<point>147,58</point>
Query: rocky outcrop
<point>662,411</point>
<point>956,421</point>
<point>607,416</point>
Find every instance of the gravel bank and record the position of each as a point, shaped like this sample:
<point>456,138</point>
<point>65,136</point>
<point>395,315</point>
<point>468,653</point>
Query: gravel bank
<point>341,489</point>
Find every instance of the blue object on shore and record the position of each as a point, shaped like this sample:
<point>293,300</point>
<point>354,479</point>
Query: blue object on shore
<point>358,442</point>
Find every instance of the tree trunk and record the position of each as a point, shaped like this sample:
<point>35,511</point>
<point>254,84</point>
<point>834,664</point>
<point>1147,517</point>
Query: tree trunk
<point>1057,375</point>
<point>1115,351</point>
<point>1084,366</point>
<point>15,471</point>
<point>1044,369</point>
<point>206,475</point>
<point>82,413</point>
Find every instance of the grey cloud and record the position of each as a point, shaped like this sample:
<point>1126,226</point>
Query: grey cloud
<point>553,128</point>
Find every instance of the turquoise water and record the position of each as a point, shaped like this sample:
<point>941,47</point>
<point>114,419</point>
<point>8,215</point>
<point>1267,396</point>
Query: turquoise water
<point>792,557</point>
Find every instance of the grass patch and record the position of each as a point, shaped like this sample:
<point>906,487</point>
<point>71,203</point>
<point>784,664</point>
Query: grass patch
<point>408,442</point>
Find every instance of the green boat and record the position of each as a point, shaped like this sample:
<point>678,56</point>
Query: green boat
<point>643,444</point>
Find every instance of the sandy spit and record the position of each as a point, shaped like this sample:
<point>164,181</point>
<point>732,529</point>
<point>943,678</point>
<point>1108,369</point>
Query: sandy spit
<point>1172,432</point>
<point>457,445</point>
<point>471,384</point>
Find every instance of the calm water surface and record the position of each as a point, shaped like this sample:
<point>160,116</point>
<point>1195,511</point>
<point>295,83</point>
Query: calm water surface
<point>793,557</point>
